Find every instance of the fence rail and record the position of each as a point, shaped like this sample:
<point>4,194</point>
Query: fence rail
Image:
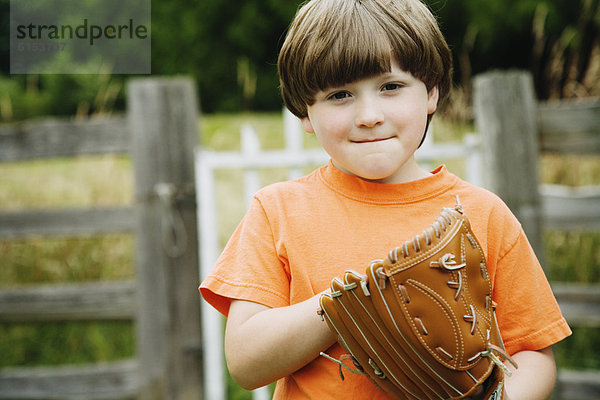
<point>117,301</point>
<point>570,126</point>
<point>54,137</point>
<point>565,208</point>
<point>580,303</point>
<point>66,222</point>
<point>64,302</point>
<point>102,381</point>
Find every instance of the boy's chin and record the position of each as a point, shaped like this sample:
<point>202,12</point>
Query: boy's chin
<point>392,174</point>
<point>377,175</point>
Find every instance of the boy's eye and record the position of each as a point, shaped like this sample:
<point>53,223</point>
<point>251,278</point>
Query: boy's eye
<point>339,95</point>
<point>391,86</point>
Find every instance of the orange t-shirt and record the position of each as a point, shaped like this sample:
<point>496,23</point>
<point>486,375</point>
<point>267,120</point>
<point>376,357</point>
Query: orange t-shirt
<point>298,235</point>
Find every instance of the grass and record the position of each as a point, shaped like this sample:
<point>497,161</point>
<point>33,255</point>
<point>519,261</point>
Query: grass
<point>573,256</point>
<point>570,169</point>
<point>81,182</point>
<point>108,180</point>
<point>56,343</point>
<point>580,350</point>
<point>66,259</point>
<point>60,183</point>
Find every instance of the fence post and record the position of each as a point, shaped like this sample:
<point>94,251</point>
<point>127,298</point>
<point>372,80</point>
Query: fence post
<point>504,104</point>
<point>163,120</point>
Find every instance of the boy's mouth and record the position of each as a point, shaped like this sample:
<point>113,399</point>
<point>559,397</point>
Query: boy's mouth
<point>372,140</point>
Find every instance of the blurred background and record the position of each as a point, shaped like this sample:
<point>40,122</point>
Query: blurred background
<point>230,50</point>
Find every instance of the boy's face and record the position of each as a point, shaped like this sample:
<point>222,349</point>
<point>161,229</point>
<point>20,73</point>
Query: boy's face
<point>372,127</point>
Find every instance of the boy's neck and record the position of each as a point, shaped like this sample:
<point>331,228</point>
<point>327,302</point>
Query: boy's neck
<point>410,171</point>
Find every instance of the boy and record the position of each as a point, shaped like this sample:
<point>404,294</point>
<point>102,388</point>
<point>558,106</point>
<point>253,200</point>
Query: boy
<point>365,76</point>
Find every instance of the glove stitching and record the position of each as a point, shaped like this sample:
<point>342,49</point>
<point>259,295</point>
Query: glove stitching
<point>446,310</point>
<point>468,299</point>
<point>485,316</point>
<point>395,265</point>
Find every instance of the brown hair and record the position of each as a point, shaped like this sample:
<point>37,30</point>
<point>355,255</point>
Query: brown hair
<point>334,42</point>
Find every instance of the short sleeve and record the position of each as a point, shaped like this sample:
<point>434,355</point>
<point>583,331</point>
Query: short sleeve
<point>250,267</point>
<point>528,315</point>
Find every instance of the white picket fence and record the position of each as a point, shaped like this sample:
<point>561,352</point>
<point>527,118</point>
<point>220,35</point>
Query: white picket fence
<point>294,157</point>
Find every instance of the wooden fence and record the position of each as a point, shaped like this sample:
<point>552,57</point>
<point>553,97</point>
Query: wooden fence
<point>160,132</point>
<point>514,129</point>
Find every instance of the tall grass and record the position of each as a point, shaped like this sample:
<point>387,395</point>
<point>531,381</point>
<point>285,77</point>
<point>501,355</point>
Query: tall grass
<point>107,180</point>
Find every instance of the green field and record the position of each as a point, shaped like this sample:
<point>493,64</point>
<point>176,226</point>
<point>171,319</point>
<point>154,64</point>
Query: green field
<point>108,180</point>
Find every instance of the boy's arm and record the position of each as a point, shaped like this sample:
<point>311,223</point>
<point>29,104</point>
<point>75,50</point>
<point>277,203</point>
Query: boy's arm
<point>535,377</point>
<point>263,344</point>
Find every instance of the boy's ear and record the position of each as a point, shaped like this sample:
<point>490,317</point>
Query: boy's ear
<point>432,99</point>
<point>307,125</point>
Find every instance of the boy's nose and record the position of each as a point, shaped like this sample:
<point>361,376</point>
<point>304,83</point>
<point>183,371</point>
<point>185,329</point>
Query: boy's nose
<point>368,114</point>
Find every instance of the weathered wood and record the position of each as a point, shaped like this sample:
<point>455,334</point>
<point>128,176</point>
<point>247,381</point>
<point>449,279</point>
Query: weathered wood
<point>570,126</point>
<point>577,385</point>
<point>114,380</point>
<point>76,301</point>
<point>513,128</point>
<point>163,115</point>
<point>565,208</point>
<point>505,110</point>
<point>163,121</point>
<point>51,137</point>
<point>580,303</point>
<point>66,222</point>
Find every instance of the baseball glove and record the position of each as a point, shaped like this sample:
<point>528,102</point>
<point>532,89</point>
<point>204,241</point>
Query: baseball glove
<point>421,324</point>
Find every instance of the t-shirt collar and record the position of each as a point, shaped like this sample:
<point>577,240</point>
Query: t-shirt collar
<point>359,189</point>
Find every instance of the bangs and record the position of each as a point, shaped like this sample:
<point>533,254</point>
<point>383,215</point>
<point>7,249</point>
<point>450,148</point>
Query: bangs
<point>359,41</point>
<point>354,47</point>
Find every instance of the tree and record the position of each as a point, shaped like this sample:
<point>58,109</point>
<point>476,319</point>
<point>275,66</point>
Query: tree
<point>231,48</point>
